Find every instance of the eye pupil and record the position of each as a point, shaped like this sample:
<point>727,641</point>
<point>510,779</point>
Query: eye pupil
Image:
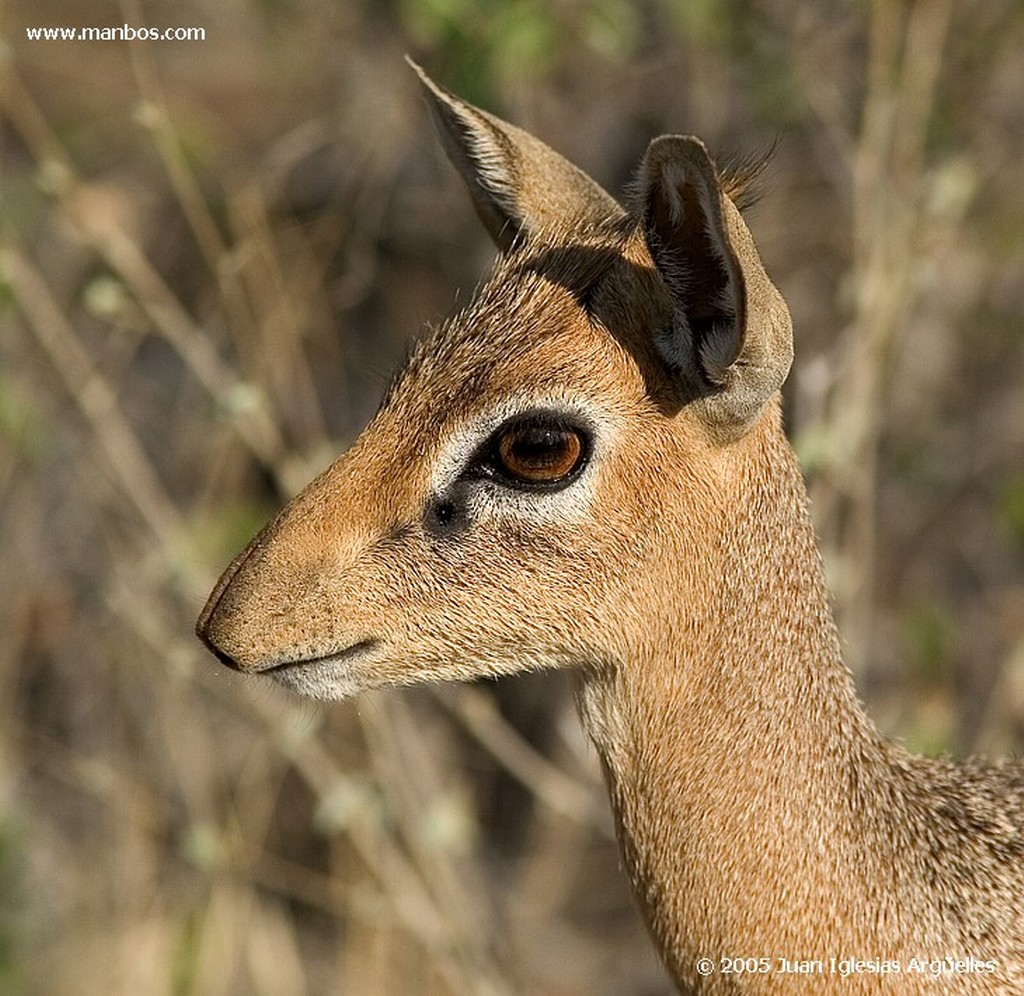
<point>539,454</point>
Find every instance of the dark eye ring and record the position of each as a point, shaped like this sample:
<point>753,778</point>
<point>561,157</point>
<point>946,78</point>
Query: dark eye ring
<point>540,451</point>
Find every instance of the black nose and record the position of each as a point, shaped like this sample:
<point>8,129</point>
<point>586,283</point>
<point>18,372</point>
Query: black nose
<point>213,648</point>
<point>225,659</point>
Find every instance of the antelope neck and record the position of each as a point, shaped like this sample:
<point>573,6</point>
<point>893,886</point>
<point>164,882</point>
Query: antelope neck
<point>741,768</point>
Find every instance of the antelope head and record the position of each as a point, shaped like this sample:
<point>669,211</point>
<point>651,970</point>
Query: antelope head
<point>539,482</point>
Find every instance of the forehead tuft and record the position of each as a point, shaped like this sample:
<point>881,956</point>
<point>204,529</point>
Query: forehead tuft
<point>536,294</point>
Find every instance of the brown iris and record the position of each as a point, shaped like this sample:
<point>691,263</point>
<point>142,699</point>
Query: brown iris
<point>539,453</point>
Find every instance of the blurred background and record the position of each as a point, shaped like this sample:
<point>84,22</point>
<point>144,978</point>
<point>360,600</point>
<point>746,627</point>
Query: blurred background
<point>212,254</point>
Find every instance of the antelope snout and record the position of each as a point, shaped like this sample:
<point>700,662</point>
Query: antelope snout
<point>204,633</point>
<point>223,628</point>
<point>257,615</point>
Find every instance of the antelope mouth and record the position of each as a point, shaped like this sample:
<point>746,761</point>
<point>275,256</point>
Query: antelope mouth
<point>327,677</point>
<point>334,657</point>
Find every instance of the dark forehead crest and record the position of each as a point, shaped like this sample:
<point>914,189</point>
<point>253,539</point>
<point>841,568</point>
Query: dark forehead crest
<point>524,285</point>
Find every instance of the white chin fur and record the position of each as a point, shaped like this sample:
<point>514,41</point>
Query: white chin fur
<point>328,680</point>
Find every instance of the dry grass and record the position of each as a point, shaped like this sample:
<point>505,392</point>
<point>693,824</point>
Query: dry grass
<point>210,256</point>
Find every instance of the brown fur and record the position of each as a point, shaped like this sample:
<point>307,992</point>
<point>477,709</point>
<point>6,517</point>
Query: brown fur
<point>760,813</point>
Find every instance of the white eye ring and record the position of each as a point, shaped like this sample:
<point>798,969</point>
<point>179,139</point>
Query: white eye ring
<point>467,465</point>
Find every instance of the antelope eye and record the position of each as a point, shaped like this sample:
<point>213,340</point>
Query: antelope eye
<point>538,452</point>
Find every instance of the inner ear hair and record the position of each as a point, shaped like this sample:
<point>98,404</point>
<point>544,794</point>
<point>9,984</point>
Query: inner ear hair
<point>687,238</point>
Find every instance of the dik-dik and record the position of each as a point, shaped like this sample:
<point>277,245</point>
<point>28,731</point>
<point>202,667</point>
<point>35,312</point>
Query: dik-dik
<point>586,469</point>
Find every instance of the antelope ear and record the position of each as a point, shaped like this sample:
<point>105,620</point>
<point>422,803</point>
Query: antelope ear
<point>520,187</point>
<point>730,334</point>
